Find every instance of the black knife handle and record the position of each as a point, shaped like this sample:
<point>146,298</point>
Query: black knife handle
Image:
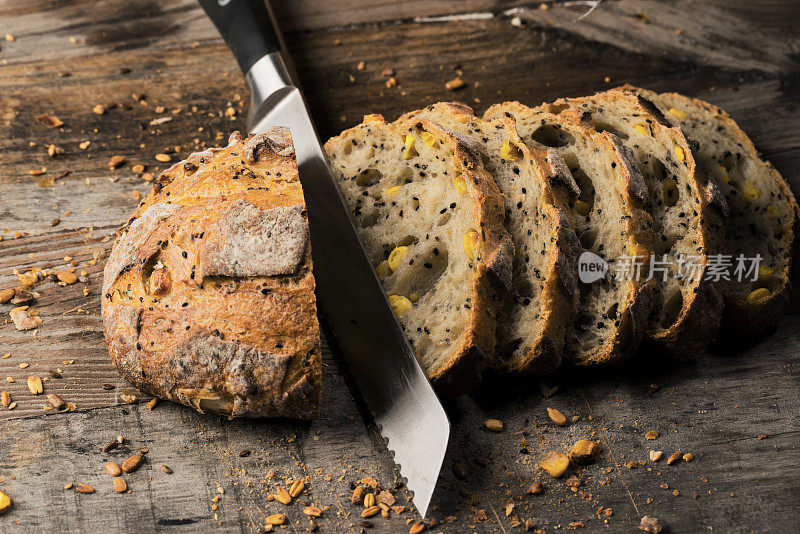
<point>247,27</point>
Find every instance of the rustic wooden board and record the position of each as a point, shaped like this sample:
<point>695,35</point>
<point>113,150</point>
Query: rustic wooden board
<point>742,57</point>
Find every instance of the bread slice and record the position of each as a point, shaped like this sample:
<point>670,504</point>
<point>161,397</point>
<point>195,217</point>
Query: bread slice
<point>688,213</point>
<point>208,294</point>
<point>431,220</point>
<point>763,212</point>
<point>531,326</point>
<point>610,221</point>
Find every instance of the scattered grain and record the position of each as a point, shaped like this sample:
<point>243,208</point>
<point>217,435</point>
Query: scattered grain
<point>84,488</point>
<point>495,425</point>
<point>556,416</point>
<point>651,524</point>
<point>535,488</point>
<point>584,451</point>
<point>555,463</point>
<point>5,502</point>
<point>56,401</point>
<point>371,511</point>
<point>113,469</point>
<point>312,511</point>
<point>297,488</point>
<point>282,496</point>
<point>675,457</point>
<point>35,385</point>
<point>67,277</point>
<point>132,463</point>
<point>455,84</point>
<point>276,519</point>
<point>116,161</point>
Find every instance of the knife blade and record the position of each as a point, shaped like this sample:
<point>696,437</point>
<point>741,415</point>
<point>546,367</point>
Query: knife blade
<point>374,346</point>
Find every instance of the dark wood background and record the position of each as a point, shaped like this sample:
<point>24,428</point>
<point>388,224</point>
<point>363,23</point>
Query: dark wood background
<point>737,413</point>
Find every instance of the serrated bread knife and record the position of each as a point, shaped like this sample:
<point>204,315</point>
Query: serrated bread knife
<point>375,348</point>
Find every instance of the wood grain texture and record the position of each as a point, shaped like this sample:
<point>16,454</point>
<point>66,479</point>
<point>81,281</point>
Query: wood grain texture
<point>740,56</point>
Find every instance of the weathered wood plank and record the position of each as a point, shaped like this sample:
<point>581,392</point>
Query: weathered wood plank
<point>40,455</point>
<point>714,409</point>
<point>743,35</point>
<point>741,57</point>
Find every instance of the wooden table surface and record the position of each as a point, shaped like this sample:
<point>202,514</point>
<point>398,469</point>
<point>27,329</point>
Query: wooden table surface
<point>166,80</point>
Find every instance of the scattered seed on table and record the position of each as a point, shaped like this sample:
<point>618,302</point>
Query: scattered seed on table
<point>495,425</point>
<point>84,488</point>
<point>132,463</point>
<point>113,469</point>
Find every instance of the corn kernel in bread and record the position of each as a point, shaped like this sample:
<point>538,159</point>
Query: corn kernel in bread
<point>532,325</point>
<point>687,209</point>
<point>431,221</point>
<point>208,295</point>
<point>763,212</point>
<point>610,221</point>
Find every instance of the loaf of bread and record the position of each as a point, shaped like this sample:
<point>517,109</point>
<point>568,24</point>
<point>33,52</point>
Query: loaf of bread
<point>610,221</point>
<point>763,213</point>
<point>431,221</point>
<point>208,294</point>
<point>531,327</point>
<point>687,209</point>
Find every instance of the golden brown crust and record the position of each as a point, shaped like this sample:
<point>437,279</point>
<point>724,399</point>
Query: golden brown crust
<point>208,295</point>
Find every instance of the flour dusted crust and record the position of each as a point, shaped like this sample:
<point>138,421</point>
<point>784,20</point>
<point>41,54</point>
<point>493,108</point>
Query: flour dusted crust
<point>451,301</point>
<point>250,241</point>
<point>208,295</point>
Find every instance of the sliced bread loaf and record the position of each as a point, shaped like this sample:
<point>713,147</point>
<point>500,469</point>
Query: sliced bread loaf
<point>688,213</point>
<point>763,212</point>
<point>532,324</point>
<point>610,222</point>
<point>431,221</point>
